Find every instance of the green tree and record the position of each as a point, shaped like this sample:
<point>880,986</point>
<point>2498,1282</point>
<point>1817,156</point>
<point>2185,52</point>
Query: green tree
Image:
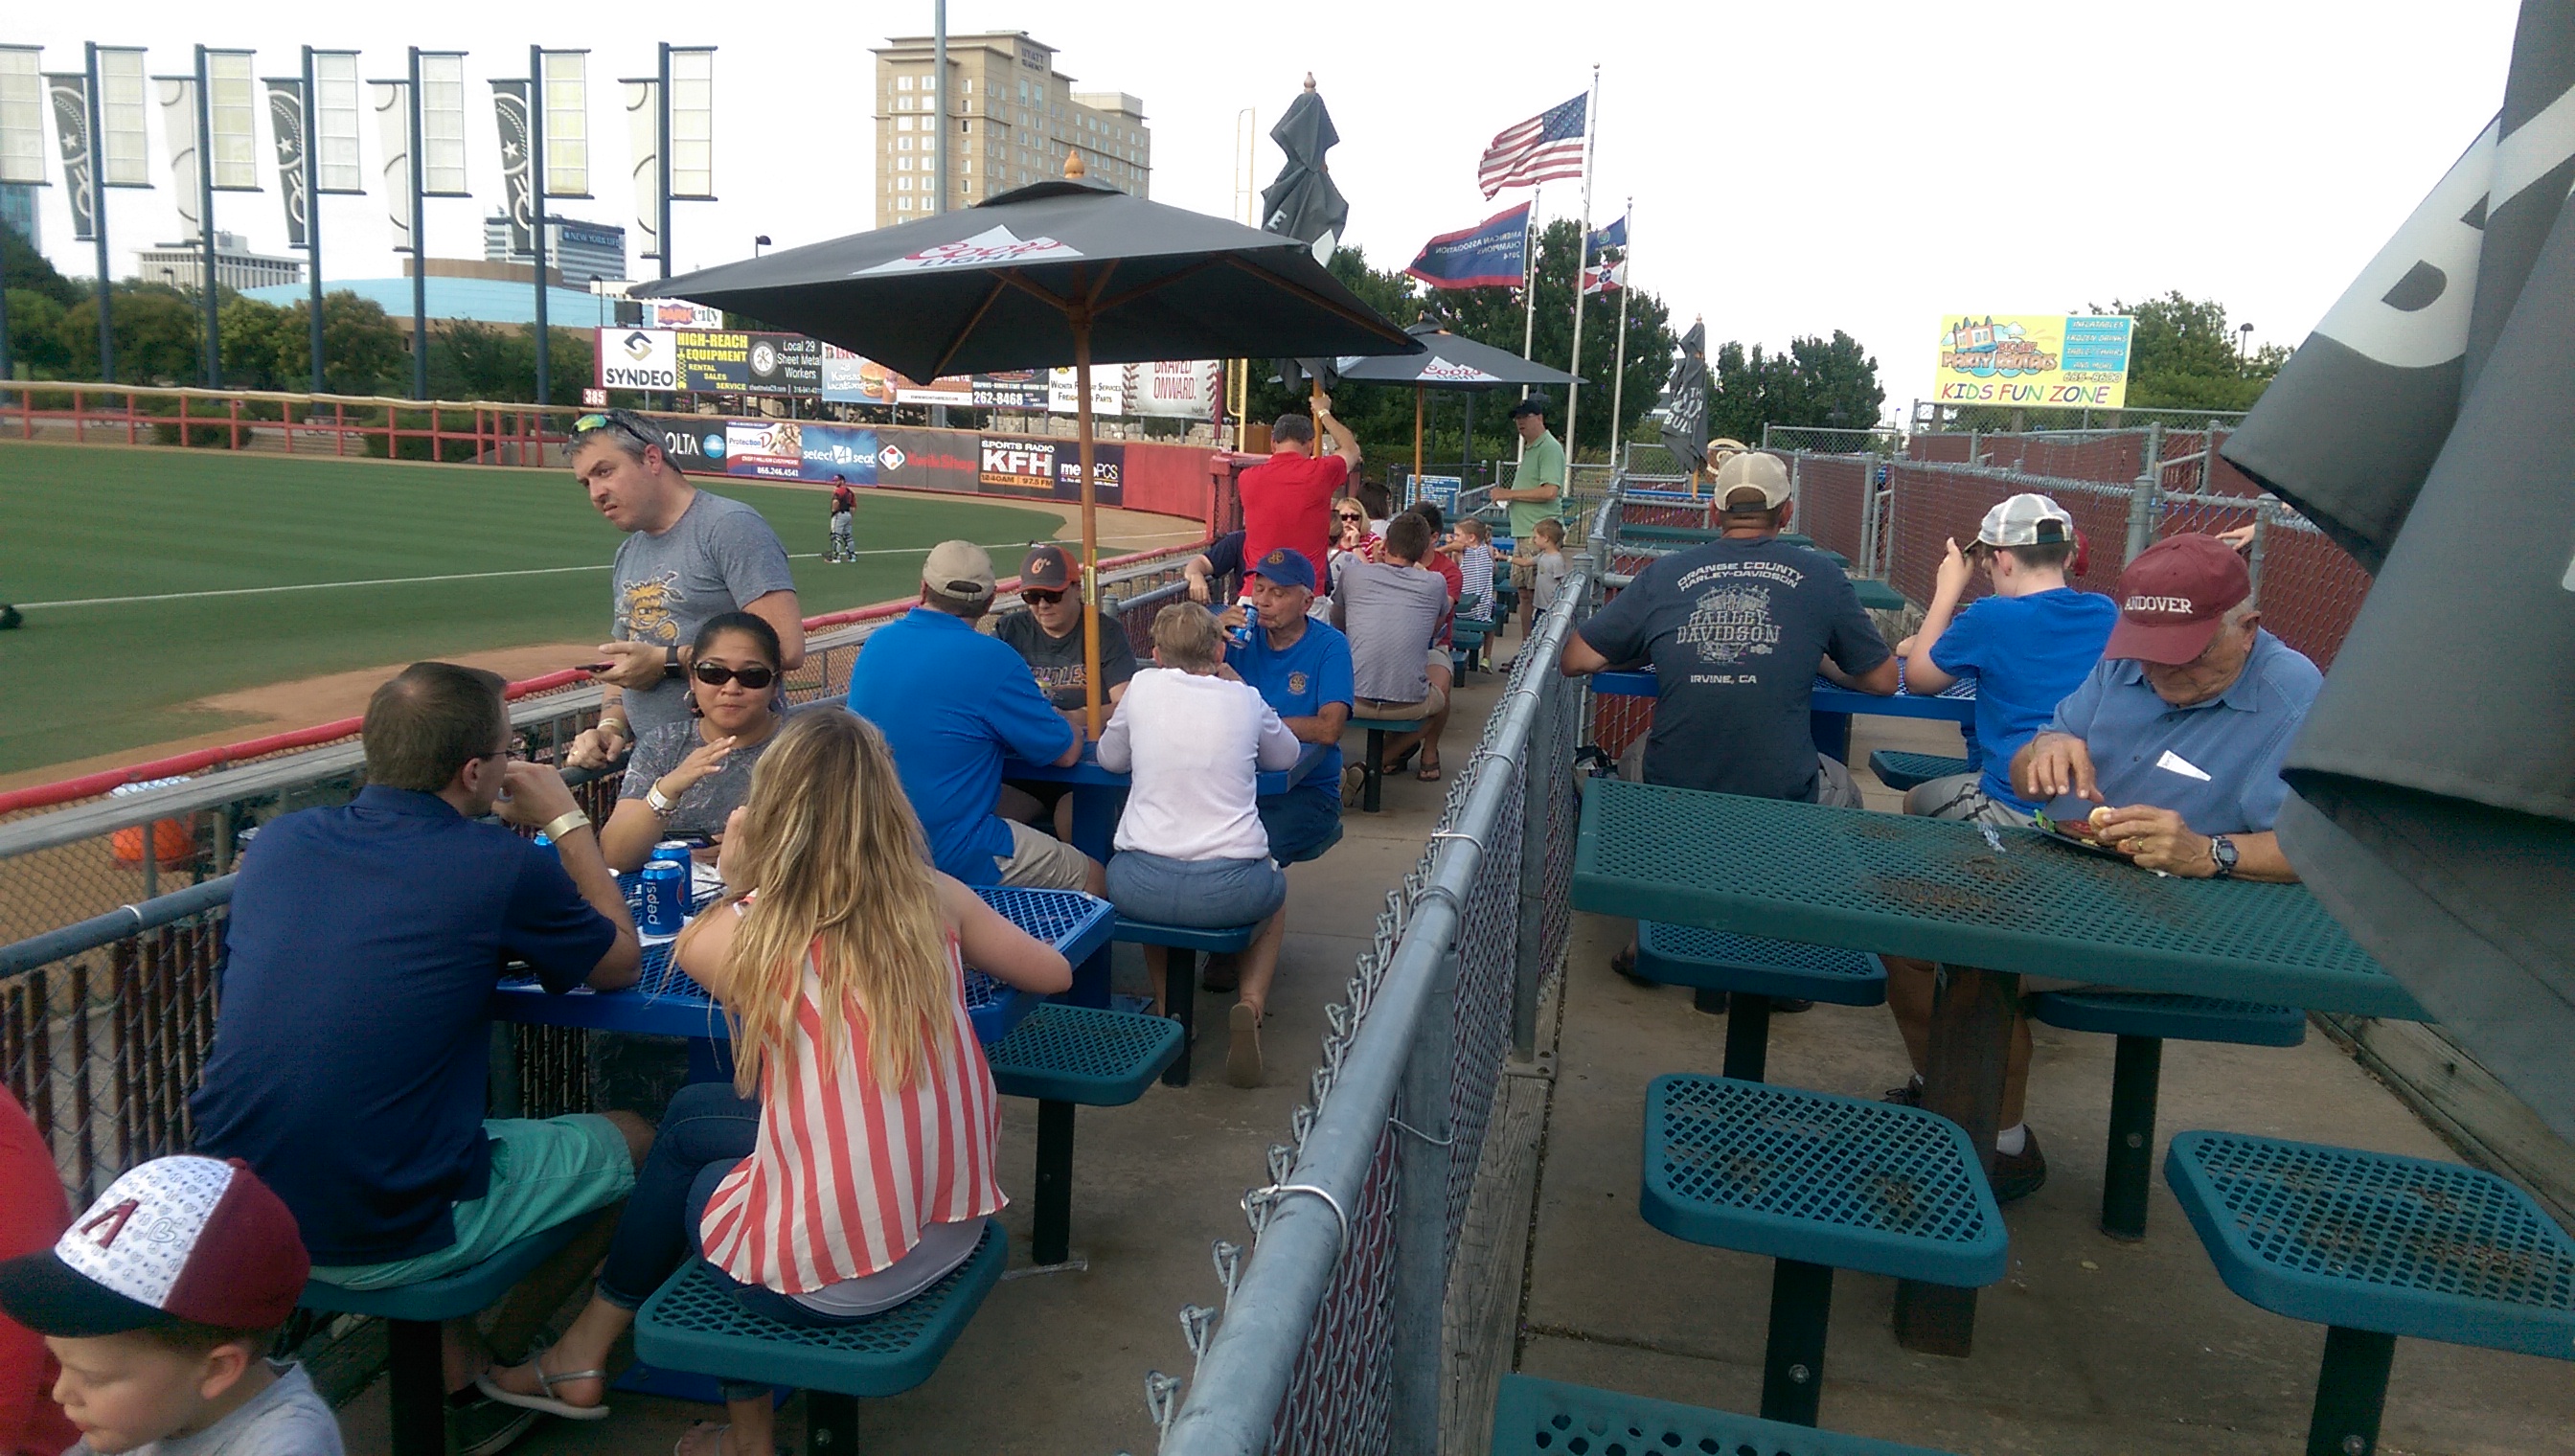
<point>1818,383</point>
<point>2185,355</point>
<point>22,267</point>
<point>156,332</point>
<point>473,360</point>
<point>36,338</point>
<point>364,351</point>
<point>253,336</point>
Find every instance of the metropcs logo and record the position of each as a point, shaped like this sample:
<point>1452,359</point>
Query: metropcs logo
<point>987,249</point>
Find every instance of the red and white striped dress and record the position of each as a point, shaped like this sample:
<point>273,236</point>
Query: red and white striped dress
<point>845,1171</point>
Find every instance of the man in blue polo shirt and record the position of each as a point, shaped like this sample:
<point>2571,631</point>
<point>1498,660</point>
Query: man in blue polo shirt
<point>1302,668</point>
<point>950,702</point>
<point>351,1052</point>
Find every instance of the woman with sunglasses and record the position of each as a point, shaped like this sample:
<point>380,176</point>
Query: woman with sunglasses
<point>685,778</point>
<point>1351,536</point>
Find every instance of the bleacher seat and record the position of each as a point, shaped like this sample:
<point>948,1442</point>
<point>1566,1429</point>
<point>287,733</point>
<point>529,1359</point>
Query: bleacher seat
<point>2143,1021</point>
<point>694,1323</point>
<point>1740,974</point>
<point>1536,1417</point>
<point>1901,770</point>
<point>2373,1247</point>
<point>1069,1057</point>
<point>1182,945</point>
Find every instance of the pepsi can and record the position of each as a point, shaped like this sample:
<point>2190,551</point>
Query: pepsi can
<point>1242,633</point>
<point>665,897</point>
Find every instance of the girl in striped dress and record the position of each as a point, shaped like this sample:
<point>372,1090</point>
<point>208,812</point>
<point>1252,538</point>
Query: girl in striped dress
<point>861,1171</point>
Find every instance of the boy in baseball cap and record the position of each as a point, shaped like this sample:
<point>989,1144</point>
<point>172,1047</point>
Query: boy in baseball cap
<point>161,1302</point>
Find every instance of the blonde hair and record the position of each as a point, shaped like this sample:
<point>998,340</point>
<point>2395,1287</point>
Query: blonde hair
<point>1474,527</point>
<point>844,877</point>
<point>1550,529</point>
<point>1185,637</point>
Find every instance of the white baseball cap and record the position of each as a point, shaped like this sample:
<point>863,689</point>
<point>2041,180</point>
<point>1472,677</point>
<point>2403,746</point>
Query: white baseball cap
<point>2027,520</point>
<point>1753,471</point>
<point>178,1238</point>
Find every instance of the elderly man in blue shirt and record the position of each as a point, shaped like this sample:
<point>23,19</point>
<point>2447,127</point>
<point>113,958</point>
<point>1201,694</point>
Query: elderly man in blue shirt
<point>2172,748</point>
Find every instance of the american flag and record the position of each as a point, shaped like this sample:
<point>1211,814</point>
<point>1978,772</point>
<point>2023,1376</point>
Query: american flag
<point>1541,149</point>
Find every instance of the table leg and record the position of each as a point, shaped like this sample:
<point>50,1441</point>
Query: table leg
<point>1095,808</point>
<point>1747,1037</point>
<point>1831,732</point>
<point>1373,773</point>
<point>1180,1004</point>
<point>1050,1236</point>
<point>1971,1021</point>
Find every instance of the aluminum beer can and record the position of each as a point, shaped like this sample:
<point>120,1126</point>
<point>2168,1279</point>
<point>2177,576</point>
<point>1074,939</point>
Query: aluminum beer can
<point>665,897</point>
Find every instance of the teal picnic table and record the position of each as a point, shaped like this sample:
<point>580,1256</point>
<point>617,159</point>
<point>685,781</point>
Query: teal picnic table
<point>1939,890</point>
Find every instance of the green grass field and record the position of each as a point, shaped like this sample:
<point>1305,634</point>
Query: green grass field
<point>79,524</point>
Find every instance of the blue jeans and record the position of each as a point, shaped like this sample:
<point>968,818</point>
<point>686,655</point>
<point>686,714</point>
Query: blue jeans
<point>1300,818</point>
<point>1201,893</point>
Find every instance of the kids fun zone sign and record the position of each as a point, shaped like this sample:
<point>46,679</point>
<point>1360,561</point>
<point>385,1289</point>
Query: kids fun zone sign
<point>2034,360</point>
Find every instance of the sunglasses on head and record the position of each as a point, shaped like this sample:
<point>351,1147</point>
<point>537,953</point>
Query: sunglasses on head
<point>715,674</point>
<point>618,420</point>
<point>1041,598</point>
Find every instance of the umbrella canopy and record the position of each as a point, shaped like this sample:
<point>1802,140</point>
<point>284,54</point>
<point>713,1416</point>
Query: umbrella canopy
<point>1449,361</point>
<point>1001,285</point>
<point>1301,202</point>
<point>1685,425</point>
<point>2429,424</point>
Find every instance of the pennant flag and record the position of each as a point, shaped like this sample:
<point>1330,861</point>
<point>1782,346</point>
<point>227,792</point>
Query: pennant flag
<point>1613,236</point>
<point>1491,254</point>
<point>1541,149</point>
<point>1604,277</point>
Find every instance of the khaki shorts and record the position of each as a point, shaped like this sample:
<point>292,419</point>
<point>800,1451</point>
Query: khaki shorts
<point>1377,707</point>
<point>1523,575</point>
<point>1039,861</point>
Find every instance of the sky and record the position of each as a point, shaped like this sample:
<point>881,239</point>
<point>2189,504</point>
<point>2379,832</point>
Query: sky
<point>1794,169</point>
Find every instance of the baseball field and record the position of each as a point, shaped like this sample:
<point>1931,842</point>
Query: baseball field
<point>159,587</point>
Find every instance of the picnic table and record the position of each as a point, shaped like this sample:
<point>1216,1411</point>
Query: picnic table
<point>1098,797</point>
<point>665,1003</point>
<point>1989,910</point>
<point>1831,707</point>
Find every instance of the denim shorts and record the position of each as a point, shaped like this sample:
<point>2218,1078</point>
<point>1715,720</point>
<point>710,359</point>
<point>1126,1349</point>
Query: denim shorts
<point>1210,894</point>
<point>1300,818</point>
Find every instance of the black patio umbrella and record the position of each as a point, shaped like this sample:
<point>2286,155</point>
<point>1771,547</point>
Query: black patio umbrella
<point>1060,272</point>
<point>1303,203</point>
<point>2428,425</point>
<point>1686,423</point>
<point>1448,362</point>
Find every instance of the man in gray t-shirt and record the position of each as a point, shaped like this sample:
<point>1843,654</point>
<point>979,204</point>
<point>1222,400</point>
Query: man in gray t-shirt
<point>688,556</point>
<point>1390,608</point>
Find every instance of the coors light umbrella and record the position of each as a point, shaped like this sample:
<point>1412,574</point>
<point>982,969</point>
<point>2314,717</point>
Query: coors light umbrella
<point>1301,203</point>
<point>2428,425</point>
<point>1057,272</point>
<point>1448,361</point>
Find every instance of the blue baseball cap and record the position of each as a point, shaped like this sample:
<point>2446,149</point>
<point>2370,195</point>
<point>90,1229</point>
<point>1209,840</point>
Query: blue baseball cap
<point>1286,568</point>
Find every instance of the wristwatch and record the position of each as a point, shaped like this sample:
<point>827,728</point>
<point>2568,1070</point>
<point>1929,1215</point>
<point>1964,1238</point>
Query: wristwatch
<point>2221,852</point>
<point>671,663</point>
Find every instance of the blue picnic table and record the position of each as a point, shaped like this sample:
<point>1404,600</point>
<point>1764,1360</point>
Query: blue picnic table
<point>1987,910</point>
<point>1831,707</point>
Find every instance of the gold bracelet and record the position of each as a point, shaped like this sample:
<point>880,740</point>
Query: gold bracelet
<point>564,823</point>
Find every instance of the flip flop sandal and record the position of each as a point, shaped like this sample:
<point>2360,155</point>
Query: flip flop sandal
<point>547,1402</point>
<point>1429,771</point>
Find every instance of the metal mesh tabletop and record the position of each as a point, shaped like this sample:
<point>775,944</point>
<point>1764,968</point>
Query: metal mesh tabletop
<point>2175,1018</point>
<point>1934,888</point>
<point>1819,1178</point>
<point>2372,1241</point>
<point>1546,1418</point>
<point>1690,956</point>
<point>694,1323</point>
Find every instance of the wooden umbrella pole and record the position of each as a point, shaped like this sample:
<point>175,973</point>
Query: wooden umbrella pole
<point>1416,434</point>
<point>1314,412</point>
<point>1089,524</point>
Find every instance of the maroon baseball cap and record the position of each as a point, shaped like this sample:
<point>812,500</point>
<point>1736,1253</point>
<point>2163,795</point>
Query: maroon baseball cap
<point>177,1238</point>
<point>2173,597</point>
<point>1047,569</point>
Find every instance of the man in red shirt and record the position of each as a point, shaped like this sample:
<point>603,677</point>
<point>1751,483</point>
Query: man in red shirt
<point>1289,501</point>
<point>32,1216</point>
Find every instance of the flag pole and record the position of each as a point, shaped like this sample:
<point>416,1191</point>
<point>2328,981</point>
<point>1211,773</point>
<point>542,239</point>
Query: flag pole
<point>1528,291</point>
<point>1619,371</point>
<point>1582,257</point>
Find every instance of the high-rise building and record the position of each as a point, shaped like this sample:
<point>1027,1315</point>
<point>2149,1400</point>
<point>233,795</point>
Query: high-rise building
<point>18,209</point>
<point>576,250</point>
<point>1012,118</point>
<point>182,266</point>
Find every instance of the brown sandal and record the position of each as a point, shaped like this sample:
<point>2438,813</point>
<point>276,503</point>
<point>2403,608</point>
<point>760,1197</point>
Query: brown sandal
<point>1430,770</point>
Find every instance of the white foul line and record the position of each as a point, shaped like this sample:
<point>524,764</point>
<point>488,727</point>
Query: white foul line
<point>476,577</point>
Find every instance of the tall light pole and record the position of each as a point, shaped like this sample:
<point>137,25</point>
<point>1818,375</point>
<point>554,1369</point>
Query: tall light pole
<point>206,218</point>
<point>939,100</point>
<point>2244,344</point>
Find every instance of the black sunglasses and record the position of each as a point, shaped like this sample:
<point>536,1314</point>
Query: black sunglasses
<point>715,674</point>
<point>618,420</point>
<point>1041,599</point>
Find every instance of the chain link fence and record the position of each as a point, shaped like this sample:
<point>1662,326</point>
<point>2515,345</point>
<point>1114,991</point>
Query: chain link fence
<point>1831,440</point>
<point>1327,1334</point>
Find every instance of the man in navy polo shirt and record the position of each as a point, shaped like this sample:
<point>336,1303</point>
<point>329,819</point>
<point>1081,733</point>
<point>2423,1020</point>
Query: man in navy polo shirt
<point>352,1047</point>
<point>1302,667</point>
<point>950,702</point>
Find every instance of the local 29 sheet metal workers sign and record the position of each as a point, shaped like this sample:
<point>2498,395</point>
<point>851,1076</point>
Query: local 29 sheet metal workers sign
<point>2034,360</point>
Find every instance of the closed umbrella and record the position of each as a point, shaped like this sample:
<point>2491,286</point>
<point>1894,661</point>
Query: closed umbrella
<point>1058,272</point>
<point>1685,420</point>
<point>1303,203</point>
<point>2428,425</point>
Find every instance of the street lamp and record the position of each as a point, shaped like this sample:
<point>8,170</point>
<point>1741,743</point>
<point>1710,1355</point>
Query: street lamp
<point>602,295</point>
<point>759,243</point>
<point>2245,343</point>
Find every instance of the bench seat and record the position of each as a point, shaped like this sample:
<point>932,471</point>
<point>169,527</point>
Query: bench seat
<point>1740,974</point>
<point>1069,1057</point>
<point>1900,770</point>
<point>1536,1417</point>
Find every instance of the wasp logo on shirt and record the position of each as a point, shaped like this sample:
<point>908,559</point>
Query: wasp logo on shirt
<point>1296,685</point>
<point>647,608</point>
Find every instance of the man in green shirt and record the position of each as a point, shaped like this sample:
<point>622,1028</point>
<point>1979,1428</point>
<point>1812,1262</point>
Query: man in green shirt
<point>1538,486</point>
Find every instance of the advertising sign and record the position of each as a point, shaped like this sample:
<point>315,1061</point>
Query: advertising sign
<point>852,379</point>
<point>718,362</point>
<point>637,358</point>
<point>678,313</point>
<point>928,459</point>
<point>2059,361</point>
<point>1184,389</point>
<point>1016,389</point>
<point>692,441</point>
<point>773,449</point>
<point>1108,391</point>
<point>1439,491</point>
<point>847,451</point>
<point>1016,465</point>
<point>948,389</point>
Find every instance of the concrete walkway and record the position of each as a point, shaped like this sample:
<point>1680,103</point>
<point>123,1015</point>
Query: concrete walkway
<point>2087,1346</point>
<point>1056,1363</point>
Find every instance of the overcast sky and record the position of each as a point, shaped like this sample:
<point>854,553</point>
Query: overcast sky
<point>1794,168</point>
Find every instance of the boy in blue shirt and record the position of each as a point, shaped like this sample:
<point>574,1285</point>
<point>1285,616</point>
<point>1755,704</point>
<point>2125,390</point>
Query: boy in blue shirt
<point>2027,646</point>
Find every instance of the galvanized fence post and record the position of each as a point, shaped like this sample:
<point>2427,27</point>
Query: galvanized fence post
<point>1424,1142</point>
<point>2145,498</point>
<point>1548,756</point>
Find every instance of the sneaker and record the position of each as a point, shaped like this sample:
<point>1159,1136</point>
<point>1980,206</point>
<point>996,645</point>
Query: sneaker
<point>1780,1006</point>
<point>2019,1174</point>
<point>1242,1056</point>
<point>1908,1095</point>
<point>481,1426</point>
<point>1623,961</point>
<point>1220,973</point>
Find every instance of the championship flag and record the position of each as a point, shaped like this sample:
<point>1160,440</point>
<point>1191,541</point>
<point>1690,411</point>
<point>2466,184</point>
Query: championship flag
<point>124,122</point>
<point>231,109</point>
<point>1491,254</point>
<point>442,124</point>
<point>563,104</point>
<point>1604,277</point>
<point>1613,236</point>
<point>69,91</point>
<point>510,108</point>
<point>1545,147</point>
<point>286,123</point>
<point>692,123</point>
<point>393,123</point>
<point>335,122</point>
<point>22,116</point>
<point>644,144</point>
<point>2428,425</point>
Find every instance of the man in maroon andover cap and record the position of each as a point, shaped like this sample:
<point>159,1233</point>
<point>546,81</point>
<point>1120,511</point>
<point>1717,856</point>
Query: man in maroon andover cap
<point>2169,754</point>
<point>161,1302</point>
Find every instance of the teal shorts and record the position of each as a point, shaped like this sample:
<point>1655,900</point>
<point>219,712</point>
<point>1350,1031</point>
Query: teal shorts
<point>542,1173</point>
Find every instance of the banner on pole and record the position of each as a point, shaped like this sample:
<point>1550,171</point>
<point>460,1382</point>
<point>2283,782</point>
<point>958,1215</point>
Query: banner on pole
<point>1108,391</point>
<point>2034,360</point>
<point>393,124</point>
<point>692,123</point>
<point>179,124</point>
<point>69,91</point>
<point>442,124</point>
<point>22,116</point>
<point>1613,236</point>
<point>286,123</point>
<point>232,110</point>
<point>124,126</point>
<point>1604,277</point>
<point>562,106</point>
<point>1174,389</point>
<point>643,143</point>
<point>510,111</point>
<point>335,122</point>
<point>1491,254</point>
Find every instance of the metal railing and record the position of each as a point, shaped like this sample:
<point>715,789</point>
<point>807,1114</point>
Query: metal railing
<point>1327,1337</point>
